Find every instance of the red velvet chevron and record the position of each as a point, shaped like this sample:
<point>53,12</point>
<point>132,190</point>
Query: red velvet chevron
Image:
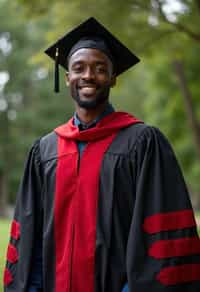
<point>15,230</point>
<point>7,277</point>
<point>179,274</point>
<point>169,221</point>
<point>169,248</point>
<point>12,254</point>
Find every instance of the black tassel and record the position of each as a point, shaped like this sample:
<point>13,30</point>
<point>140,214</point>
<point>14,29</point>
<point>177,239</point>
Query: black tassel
<point>56,84</point>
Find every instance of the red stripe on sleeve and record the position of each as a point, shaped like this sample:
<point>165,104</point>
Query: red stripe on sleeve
<point>7,278</point>
<point>179,274</point>
<point>174,248</point>
<point>169,221</point>
<point>12,254</point>
<point>15,230</point>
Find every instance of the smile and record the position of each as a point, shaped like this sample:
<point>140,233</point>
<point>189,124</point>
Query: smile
<point>88,90</point>
<point>94,87</point>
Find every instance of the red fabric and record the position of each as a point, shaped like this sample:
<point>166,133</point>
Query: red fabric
<point>66,179</point>
<point>175,248</point>
<point>12,254</point>
<point>112,122</point>
<point>76,204</point>
<point>179,274</point>
<point>7,278</point>
<point>15,230</point>
<point>76,199</point>
<point>169,221</point>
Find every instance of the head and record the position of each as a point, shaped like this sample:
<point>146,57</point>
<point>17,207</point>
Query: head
<point>78,43</point>
<point>90,34</point>
<point>90,76</point>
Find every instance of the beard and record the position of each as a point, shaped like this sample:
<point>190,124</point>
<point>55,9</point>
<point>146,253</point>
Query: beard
<point>101,97</point>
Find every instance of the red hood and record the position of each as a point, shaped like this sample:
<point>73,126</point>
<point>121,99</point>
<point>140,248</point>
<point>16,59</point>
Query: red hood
<point>107,126</point>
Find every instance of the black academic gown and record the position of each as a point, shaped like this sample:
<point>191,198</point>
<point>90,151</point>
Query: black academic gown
<point>145,228</point>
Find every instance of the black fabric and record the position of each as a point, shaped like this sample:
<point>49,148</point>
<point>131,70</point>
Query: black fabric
<point>56,73</point>
<point>142,178</point>
<point>139,177</point>
<point>48,148</point>
<point>124,58</point>
<point>29,214</point>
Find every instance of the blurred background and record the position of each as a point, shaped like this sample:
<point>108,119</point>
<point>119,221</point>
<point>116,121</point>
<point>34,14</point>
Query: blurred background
<point>163,89</point>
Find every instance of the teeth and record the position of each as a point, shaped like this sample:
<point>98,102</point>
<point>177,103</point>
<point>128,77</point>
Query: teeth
<point>88,87</point>
<point>88,90</point>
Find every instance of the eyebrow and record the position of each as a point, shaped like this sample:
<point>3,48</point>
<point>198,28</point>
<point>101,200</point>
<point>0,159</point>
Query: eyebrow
<point>97,62</point>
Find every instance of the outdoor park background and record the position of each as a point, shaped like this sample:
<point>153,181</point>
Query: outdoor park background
<point>163,89</point>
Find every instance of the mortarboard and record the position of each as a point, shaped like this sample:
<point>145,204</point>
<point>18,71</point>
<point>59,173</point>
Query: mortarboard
<point>91,28</point>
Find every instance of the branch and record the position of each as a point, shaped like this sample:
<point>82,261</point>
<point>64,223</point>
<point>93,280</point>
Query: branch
<point>198,4</point>
<point>178,26</point>
<point>190,33</point>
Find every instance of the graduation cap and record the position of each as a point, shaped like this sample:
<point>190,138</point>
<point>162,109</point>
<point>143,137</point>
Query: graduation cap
<point>90,29</point>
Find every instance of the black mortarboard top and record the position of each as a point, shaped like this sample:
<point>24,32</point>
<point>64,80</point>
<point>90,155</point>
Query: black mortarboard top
<point>123,57</point>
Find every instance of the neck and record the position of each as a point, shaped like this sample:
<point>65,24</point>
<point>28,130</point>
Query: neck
<point>89,115</point>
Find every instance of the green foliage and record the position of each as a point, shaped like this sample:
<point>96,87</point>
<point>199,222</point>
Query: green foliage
<point>32,107</point>
<point>165,107</point>
<point>150,90</point>
<point>4,227</point>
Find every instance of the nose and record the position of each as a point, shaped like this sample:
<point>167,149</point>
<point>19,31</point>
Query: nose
<point>88,74</point>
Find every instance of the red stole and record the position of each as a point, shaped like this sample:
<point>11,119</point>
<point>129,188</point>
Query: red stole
<point>76,198</point>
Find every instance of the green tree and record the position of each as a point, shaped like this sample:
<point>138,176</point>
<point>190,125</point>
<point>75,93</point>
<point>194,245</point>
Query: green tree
<point>163,89</point>
<point>28,107</point>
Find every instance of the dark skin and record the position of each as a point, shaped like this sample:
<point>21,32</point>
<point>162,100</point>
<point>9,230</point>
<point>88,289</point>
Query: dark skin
<point>90,77</point>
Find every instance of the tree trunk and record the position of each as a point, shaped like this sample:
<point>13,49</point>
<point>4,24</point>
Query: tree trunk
<point>192,119</point>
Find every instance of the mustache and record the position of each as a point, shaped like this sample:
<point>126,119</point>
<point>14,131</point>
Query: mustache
<point>87,83</point>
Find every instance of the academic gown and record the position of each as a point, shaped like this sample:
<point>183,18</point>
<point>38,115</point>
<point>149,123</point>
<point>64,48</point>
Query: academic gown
<point>124,215</point>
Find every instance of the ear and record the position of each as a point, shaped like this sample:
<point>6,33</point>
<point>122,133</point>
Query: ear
<point>67,78</point>
<point>113,80</point>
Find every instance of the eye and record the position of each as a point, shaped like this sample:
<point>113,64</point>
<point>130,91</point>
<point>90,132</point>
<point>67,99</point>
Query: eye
<point>101,69</point>
<point>77,68</point>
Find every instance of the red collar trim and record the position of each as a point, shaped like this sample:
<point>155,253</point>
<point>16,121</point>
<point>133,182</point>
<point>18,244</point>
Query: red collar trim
<point>107,126</point>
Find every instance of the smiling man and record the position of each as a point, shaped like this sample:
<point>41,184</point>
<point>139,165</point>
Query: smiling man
<point>102,206</point>
<point>91,75</point>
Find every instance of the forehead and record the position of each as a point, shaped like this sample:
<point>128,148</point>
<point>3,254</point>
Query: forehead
<point>89,55</point>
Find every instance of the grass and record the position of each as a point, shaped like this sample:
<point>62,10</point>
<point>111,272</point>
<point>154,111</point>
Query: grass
<point>197,216</point>
<point>4,237</point>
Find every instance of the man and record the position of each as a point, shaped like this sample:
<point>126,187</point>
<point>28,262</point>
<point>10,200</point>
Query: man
<point>102,205</point>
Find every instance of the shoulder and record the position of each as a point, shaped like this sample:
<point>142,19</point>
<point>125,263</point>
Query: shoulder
<point>141,130</point>
<point>151,134</point>
<point>138,137</point>
<point>45,147</point>
<point>152,145</point>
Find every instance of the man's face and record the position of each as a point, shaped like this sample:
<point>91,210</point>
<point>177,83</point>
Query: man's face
<point>90,77</point>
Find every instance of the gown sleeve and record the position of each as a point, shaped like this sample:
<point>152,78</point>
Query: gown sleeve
<point>163,249</point>
<point>26,224</point>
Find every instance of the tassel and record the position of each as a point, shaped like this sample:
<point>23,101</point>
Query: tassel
<point>56,84</point>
